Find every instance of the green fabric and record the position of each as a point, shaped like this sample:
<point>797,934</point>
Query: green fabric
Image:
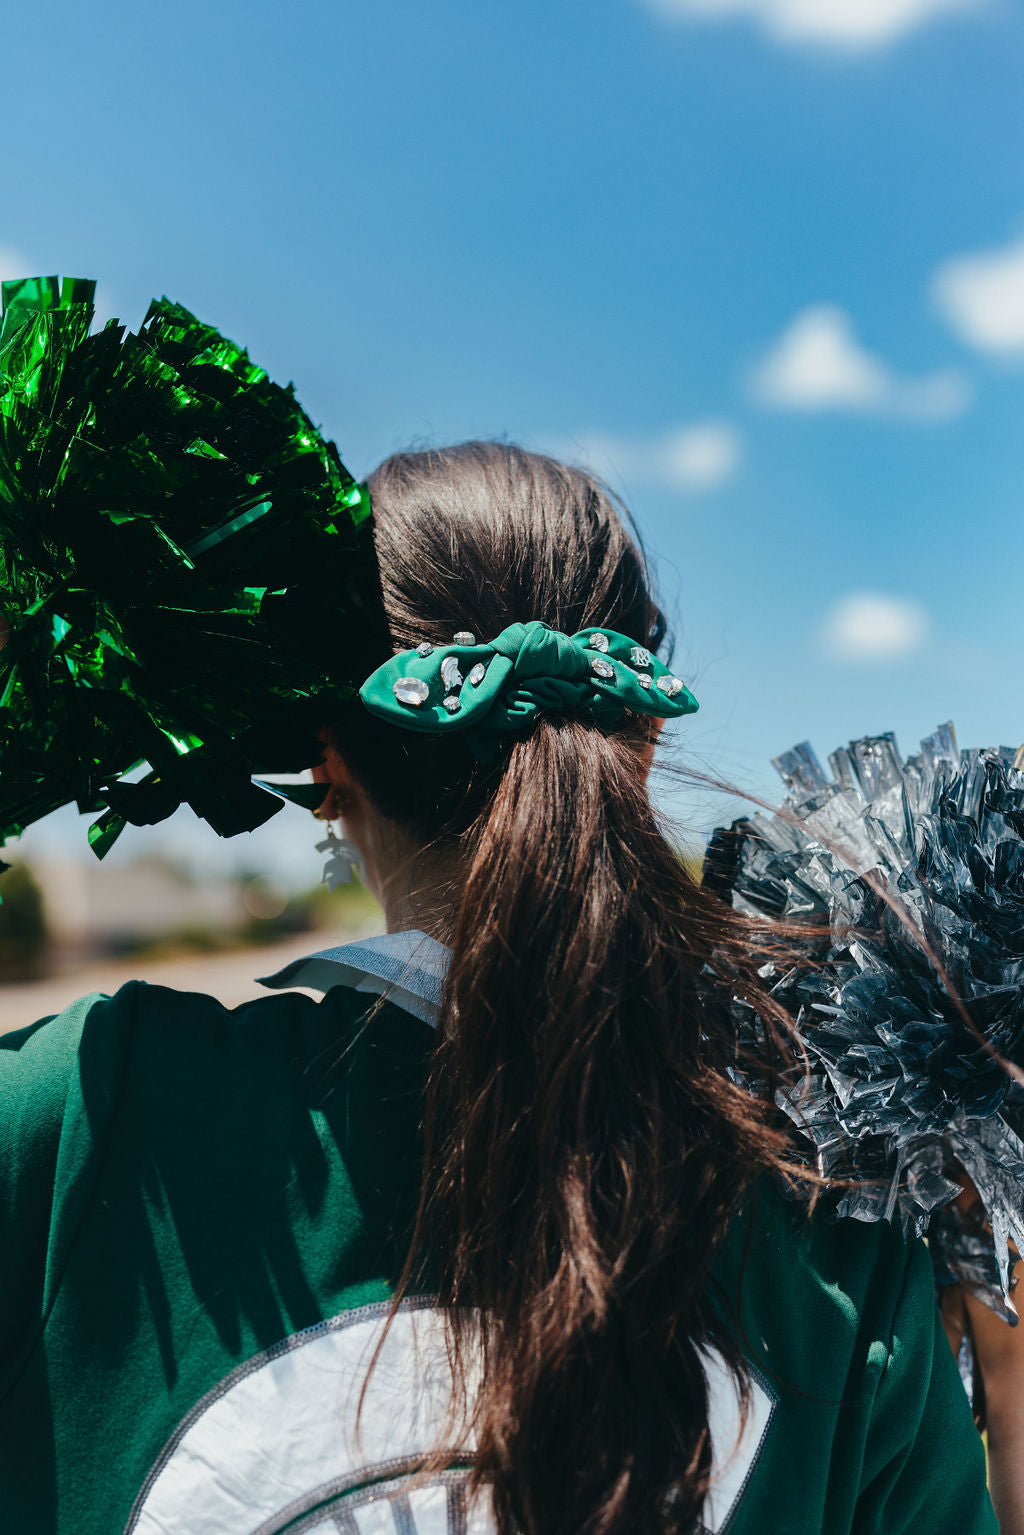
<point>526,668</point>
<point>182,1186</point>
<point>875,1433</point>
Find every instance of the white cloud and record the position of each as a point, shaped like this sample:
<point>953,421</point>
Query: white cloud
<point>818,364</point>
<point>874,626</point>
<point>845,24</point>
<point>12,264</point>
<point>982,297</point>
<point>696,457</point>
<point>701,456</point>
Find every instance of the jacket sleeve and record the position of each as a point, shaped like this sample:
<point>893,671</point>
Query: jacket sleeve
<point>924,1466</point>
<point>52,1117</point>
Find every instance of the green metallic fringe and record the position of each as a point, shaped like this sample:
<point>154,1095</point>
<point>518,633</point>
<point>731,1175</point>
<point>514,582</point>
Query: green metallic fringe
<point>186,570</point>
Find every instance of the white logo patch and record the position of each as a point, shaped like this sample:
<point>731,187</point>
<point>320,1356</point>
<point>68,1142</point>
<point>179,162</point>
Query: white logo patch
<point>276,1444</point>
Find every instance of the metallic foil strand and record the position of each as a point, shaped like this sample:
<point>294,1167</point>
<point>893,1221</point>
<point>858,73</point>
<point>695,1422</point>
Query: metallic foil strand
<point>910,875</point>
<point>181,559</point>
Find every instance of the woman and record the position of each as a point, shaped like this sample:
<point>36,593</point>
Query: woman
<point>505,1250</point>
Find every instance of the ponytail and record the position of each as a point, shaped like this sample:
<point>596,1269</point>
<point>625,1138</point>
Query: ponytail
<point>585,1147</point>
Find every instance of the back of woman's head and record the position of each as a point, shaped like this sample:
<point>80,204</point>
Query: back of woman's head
<point>474,538</point>
<point>585,1148</point>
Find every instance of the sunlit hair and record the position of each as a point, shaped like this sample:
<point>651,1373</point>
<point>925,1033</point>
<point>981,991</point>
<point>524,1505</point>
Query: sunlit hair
<point>585,1145</point>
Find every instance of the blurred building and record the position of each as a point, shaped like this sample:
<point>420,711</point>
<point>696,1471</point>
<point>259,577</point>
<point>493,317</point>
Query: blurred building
<point>91,910</point>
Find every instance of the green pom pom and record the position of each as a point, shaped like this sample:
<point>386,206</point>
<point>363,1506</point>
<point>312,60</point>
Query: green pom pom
<point>182,561</point>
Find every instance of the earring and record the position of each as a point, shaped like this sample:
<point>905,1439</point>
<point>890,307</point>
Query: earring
<point>344,860</point>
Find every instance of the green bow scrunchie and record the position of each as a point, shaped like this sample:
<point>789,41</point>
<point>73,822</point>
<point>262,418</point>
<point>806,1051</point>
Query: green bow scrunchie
<point>493,689</point>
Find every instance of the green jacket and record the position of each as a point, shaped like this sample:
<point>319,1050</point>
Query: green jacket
<point>199,1212</point>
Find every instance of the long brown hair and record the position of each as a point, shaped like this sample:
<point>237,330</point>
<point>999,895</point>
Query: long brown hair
<point>585,1146</point>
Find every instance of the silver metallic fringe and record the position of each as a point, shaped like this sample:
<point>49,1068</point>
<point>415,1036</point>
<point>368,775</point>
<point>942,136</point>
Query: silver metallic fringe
<point>904,1088</point>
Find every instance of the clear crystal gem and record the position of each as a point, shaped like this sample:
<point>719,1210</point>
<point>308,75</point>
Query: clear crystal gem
<point>424,648</point>
<point>602,668</point>
<point>670,686</point>
<point>451,703</point>
<point>465,637</point>
<point>477,674</point>
<point>645,679</point>
<point>598,642</point>
<point>450,674</point>
<point>639,656</point>
<point>411,690</point>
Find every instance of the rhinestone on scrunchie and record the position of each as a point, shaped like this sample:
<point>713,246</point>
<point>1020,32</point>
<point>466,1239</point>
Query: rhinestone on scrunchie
<point>602,668</point>
<point>598,642</point>
<point>639,656</point>
<point>424,648</point>
<point>411,690</point>
<point>450,674</point>
<point>670,686</point>
<point>645,680</point>
<point>477,674</point>
<point>465,637</point>
<point>451,703</point>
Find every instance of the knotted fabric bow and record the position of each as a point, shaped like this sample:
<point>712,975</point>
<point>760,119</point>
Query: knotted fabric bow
<point>492,689</point>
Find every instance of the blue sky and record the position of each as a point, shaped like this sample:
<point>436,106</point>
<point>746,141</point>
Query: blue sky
<point>759,261</point>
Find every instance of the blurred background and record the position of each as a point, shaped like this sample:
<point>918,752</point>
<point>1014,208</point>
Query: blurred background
<point>758,262</point>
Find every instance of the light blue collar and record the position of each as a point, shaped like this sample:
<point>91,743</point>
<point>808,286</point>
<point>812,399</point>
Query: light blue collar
<point>406,968</point>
